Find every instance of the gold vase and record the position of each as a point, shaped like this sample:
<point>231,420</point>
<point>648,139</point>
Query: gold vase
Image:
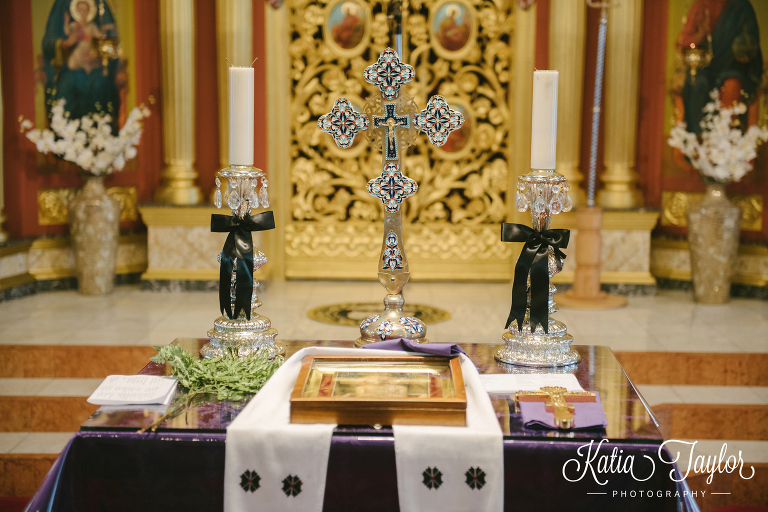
<point>713,240</point>
<point>94,220</point>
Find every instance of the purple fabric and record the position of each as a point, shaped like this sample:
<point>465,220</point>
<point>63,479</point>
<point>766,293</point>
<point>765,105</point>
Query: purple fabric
<point>125,472</point>
<point>406,345</point>
<point>586,415</point>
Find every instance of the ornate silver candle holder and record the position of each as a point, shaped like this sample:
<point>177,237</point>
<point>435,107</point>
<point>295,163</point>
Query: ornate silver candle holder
<point>391,122</point>
<point>542,341</point>
<point>240,328</point>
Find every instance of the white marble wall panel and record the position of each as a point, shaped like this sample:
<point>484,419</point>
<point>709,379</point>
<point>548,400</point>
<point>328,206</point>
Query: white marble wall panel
<point>622,251</point>
<point>186,247</point>
<point>13,265</point>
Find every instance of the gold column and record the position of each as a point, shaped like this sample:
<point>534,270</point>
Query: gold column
<point>567,40</point>
<point>3,233</point>
<point>234,41</point>
<point>177,46</point>
<point>279,133</point>
<point>524,36</point>
<point>622,66</point>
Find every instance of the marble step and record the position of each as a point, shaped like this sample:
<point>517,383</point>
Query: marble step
<point>732,490</point>
<point>43,414</point>
<point>705,421</point>
<point>695,368</point>
<point>71,361</point>
<point>670,368</point>
<point>22,473</point>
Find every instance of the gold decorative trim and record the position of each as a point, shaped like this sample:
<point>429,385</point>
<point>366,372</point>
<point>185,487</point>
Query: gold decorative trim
<point>682,245</point>
<point>52,204</point>
<point>748,279</point>
<point>617,277</point>
<point>45,274</point>
<point>182,216</point>
<point>663,243</point>
<point>629,220</point>
<point>62,242</point>
<point>128,198</point>
<point>675,204</point>
<point>13,281</point>
<point>12,249</point>
<point>172,274</point>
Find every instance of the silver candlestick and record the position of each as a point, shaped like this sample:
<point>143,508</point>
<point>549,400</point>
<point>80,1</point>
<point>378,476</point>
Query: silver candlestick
<point>545,193</point>
<point>391,124</point>
<point>246,189</point>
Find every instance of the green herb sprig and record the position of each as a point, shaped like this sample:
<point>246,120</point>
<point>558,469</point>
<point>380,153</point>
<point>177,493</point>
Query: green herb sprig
<point>230,378</point>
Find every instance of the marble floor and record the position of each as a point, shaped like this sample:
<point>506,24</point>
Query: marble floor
<point>669,321</point>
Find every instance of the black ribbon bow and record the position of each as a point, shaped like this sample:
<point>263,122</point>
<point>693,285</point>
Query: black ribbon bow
<point>239,245</point>
<point>533,260</point>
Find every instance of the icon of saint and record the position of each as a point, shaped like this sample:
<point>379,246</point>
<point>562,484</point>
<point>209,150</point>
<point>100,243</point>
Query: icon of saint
<point>72,66</point>
<point>350,30</point>
<point>728,32</point>
<point>453,30</point>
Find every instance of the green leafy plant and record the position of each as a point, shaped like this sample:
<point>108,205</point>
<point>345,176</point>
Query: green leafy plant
<point>230,378</point>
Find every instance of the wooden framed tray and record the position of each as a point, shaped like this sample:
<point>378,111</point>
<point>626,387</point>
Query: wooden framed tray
<point>384,390</point>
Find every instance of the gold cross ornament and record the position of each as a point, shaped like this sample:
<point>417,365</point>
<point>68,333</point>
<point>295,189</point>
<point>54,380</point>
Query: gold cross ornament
<point>557,400</point>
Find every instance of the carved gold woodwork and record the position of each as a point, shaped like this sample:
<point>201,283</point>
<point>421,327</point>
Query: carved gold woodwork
<point>52,204</point>
<point>675,206</point>
<point>460,49</point>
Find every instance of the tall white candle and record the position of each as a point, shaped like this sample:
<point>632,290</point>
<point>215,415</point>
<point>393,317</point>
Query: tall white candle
<point>240,116</point>
<point>544,125</point>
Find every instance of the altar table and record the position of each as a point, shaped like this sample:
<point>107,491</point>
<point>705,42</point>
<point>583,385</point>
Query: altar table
<point>108,466</point>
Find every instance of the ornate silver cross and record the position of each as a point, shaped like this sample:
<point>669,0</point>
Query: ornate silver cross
<point>391,123</point>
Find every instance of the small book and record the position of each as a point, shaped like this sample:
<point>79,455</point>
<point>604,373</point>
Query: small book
<point>134,390</point>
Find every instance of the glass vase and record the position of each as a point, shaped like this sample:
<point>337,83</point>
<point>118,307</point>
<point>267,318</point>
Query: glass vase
<point>94,220</point>
<point>713,241</point>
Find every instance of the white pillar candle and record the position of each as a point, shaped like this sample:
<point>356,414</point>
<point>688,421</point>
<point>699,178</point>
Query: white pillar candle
<point>544,125</point>
<point>240,116</point>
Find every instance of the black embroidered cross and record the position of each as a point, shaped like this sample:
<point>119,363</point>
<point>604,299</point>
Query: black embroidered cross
<point>249,481</point>
<point>475,478</point>
<point>291,485</point>
<point>433,478</point>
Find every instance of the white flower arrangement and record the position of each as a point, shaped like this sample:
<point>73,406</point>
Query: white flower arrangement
<point>88,141</point>
<point>723,152</point>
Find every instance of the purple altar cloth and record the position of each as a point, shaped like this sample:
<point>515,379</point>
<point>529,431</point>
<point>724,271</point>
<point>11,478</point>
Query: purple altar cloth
<point>108,466</point>
<point>406,345</point>
<point>586,415</point>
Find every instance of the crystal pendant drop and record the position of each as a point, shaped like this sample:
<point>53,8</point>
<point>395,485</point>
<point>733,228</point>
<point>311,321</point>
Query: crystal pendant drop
<point>568,204</point>
<point>234,200</point>
<point>555,206</point>
<point>555,189</point>
<point>539,206</point>
<point>253,199</point>
<point>218,182</point>
<point>521,186</point>
<point>521,202</point>
<point>264,195</point>
<point>217,198</point>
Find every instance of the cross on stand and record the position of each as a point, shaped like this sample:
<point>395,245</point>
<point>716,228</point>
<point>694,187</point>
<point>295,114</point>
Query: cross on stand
<point>391,127</point>
<point>557,400</point>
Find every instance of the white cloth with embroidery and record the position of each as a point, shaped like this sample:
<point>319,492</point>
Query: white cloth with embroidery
<point>275,452</point>
<point>449,469</point>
